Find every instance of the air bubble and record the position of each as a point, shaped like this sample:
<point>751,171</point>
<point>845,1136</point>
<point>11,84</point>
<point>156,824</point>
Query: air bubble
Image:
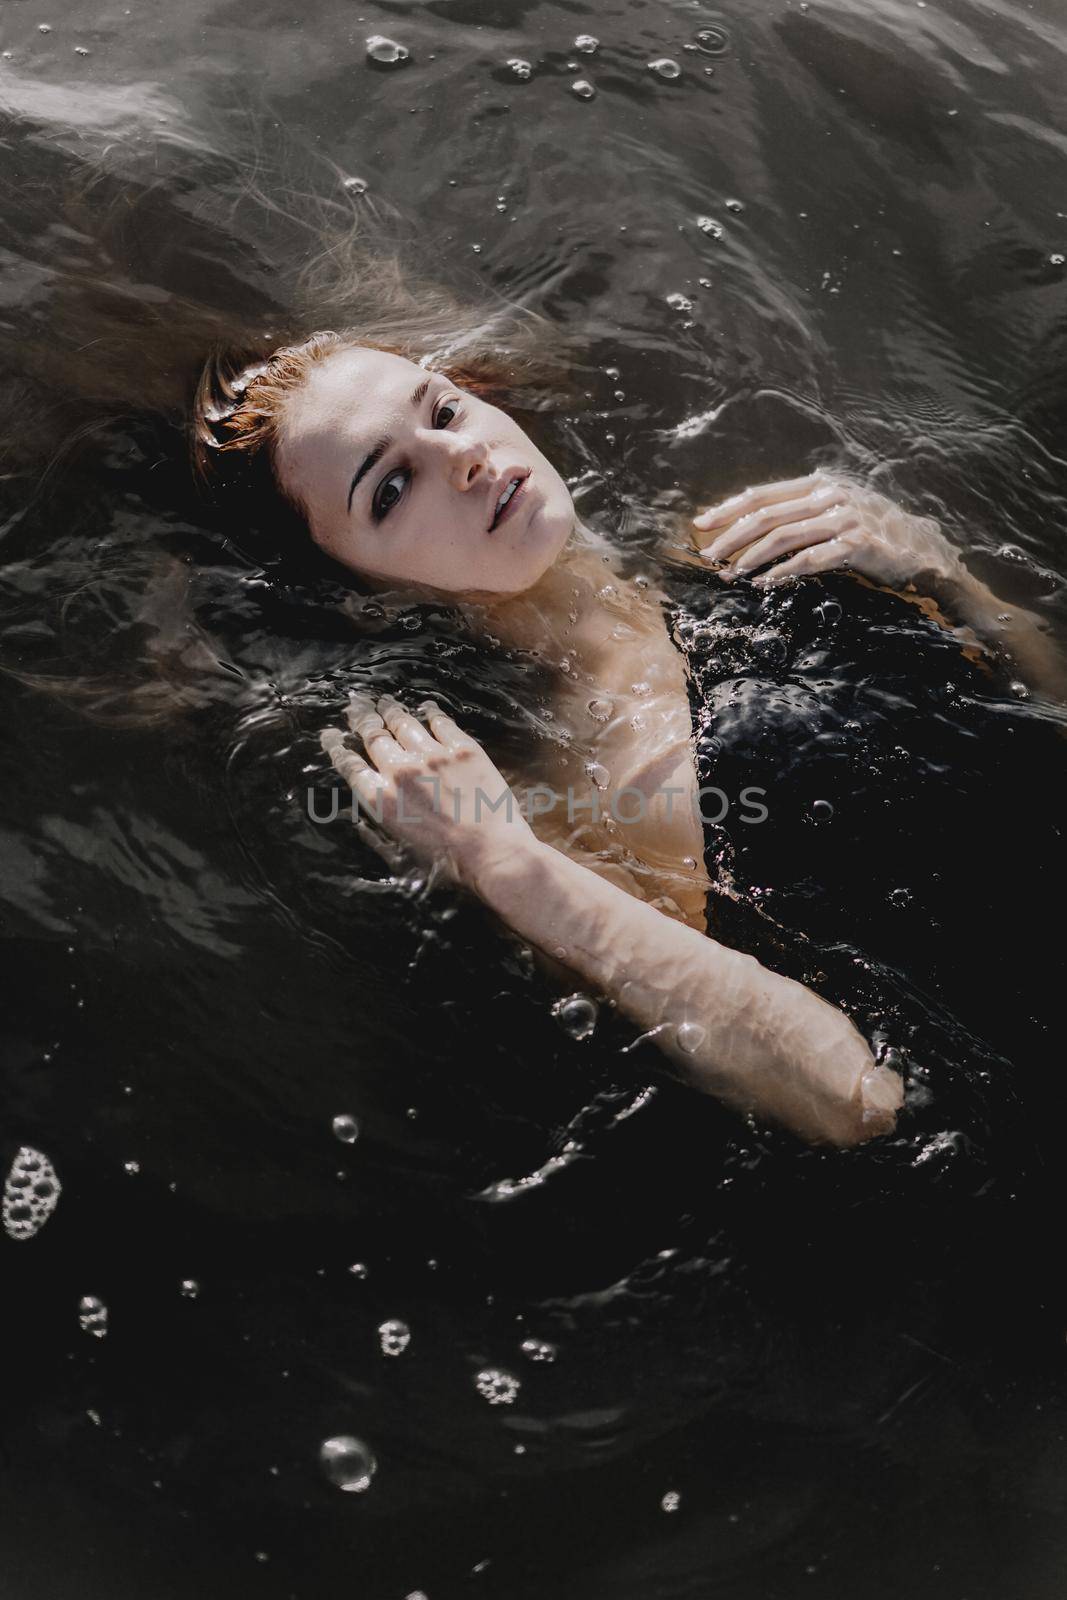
<point>821,810</point>
<point>1057,260</point>
<point>600,710</point>
<point>671,1500</point>
<point>598,775</point>
<point>394,1337</point>
<point>678,302</point>
<point>345,1128</point>
<point>713,41</point>
<point>348,1463</point>
<point>358,1269</point>
<point>583,89</point>
<point>713,229</point>
<point>92,1315</point>
<point>31,1193</point>
<point>664,67</point>
<point>499,1388</point>
<point>736,206</point>
<point>690,1036</point>
<point>386,51</point>
<point>576,1015</point>
<point>586,43</point>
<point>190,1289</point>
<point>355,185</point>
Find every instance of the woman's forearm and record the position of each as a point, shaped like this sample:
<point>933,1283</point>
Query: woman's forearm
<point>759,1041</point>
<point>1014,632</point>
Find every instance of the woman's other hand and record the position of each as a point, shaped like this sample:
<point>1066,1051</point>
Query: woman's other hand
<point>819,523</point>
<point>429,787</point>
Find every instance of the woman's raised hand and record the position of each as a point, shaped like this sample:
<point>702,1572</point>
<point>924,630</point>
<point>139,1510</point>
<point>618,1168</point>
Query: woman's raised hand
<point>819,523</point>
<point>429,786</point>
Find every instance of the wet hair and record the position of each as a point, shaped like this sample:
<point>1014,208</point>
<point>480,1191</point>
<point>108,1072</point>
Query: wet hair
<point>153,330</point>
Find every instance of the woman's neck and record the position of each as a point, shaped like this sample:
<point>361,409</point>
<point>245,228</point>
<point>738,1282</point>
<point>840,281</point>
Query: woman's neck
<point>581,612</point>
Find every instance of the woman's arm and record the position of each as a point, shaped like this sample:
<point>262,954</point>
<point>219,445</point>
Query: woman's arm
<point>759,1041</point>
<point>823,522</point>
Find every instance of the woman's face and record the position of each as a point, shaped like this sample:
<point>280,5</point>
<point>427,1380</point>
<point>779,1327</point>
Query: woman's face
<point>401,473</point>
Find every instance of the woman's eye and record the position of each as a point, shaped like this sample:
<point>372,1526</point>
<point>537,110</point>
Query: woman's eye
<point>387,496</point>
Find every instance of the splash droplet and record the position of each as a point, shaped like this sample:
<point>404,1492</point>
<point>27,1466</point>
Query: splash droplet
<point>348,1463</point>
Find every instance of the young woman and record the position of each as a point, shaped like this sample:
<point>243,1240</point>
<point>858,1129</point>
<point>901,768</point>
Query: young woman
<point>403,473</point>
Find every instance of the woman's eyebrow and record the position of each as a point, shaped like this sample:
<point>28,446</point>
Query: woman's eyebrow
<point>383,445</point>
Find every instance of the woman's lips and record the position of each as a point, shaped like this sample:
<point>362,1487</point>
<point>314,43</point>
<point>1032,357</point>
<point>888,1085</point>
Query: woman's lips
<point>520,494</point>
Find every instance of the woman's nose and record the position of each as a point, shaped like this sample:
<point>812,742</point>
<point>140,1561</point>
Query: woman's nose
<point>467,459</point>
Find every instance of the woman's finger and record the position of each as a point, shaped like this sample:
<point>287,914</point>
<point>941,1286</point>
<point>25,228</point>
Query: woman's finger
<point>378,742</point>
<point>380,843</point>
<point>360,777</point>
<point>758,523</point>
<point>763,494</point>
<point>818,558</point>
<point>813,530</point>
<point>408,732</point>
<point>442,727</point>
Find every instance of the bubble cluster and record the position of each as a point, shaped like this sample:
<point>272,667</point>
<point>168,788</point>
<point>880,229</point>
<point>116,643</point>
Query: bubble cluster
<point>348,1463</point>
<point>31,1193</point>
<point>586,43</point>
<point>92,1315</point>
<point>394,1336</point>
<point>386,51</point>
<point>499,1388</point>
<point>576,1015</point>
<point>521,69</point>
<point>538,1350</point>
<point>671,1500</point>
<point>713,229</point>
<point>679,302</point>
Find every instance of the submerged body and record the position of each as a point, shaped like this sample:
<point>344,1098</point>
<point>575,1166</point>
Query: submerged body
<point>609,882</point>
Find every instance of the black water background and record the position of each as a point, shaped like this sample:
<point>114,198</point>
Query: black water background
<point>850,1368</point>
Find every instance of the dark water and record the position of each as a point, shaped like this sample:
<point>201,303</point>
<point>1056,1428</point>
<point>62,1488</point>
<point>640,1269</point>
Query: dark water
<point>849,1367</point>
